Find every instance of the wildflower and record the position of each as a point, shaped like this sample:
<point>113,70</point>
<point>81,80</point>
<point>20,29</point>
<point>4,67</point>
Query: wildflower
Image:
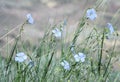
<point>111,29</point>
<point>30,19</point>
<point>20,57</point>
<point>79,57</point>
<point>57,33</point>
<point>66,65</point>
<point>73,51</point>
<point>91,14</point>
<point>31,64</point>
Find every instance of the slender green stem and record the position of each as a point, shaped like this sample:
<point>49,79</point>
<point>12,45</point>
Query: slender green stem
<point>11,54</point>
<point>46,69</point>
<point>81,24</point>
<point>109,60</point>
<point>100,56</point>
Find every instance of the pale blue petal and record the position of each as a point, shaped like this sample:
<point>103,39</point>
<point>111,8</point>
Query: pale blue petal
<point>57,33</point>
<point>30,19</point>
<point>77,58</point>
<point>91,14</point>
<point>66,65</point>
<point>20,57</point>
<point>111,29</point>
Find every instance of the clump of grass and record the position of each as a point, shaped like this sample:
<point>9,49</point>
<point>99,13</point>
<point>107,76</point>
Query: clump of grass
<point>77,61</point>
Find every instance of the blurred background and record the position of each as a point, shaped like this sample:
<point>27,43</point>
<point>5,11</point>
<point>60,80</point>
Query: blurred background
<point>45,12</point>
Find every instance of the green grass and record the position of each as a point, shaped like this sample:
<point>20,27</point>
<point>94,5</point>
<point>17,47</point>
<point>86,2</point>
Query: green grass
<point>47,56</point>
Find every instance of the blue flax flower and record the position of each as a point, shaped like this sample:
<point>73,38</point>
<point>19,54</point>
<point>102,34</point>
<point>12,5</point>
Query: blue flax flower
<point>30,19</point>
<point>66,65</point>
<point>91,14</point>
<point>20,57</point>
<point>31,64</point>
<point>110,27</point>
<point>57,33</point>
<point>80,57</point>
